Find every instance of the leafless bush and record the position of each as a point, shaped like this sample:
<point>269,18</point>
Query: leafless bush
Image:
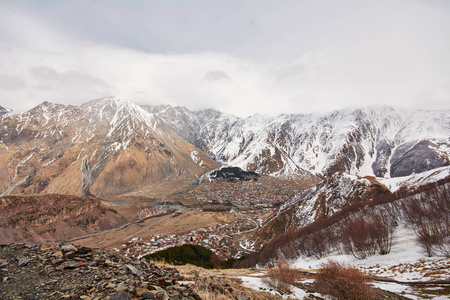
<point>383,228</point>
<point>357,238</point>
<point>343,282</point>
<point>281,277</point>
<point>319,243</point>
<point>430,220</point>
<point>364,238</point>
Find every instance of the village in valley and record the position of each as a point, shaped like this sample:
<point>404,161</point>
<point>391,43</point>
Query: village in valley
<point>251,201</point>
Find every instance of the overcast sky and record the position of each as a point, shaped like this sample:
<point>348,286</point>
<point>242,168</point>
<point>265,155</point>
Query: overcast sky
<point>241,57</point>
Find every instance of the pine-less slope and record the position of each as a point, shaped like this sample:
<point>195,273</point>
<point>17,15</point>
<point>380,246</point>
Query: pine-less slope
<point>34,218</point>
<point>377,141</point>
<point>106,147</point>
<point>110,147</point>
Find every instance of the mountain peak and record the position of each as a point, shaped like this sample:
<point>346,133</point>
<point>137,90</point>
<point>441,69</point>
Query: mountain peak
<point>4,112</point>
<point>108,101</point>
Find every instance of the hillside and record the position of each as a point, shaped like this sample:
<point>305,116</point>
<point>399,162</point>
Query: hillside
<point>34,218</point>
<point>374,141</point>
<point>104,148</point>
<point>111,147</point>
<point>358,225</point>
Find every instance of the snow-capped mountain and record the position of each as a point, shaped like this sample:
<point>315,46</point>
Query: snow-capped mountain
<point>4,112</point>
<point>105,147</point>
<point>111,146</point>
<point>377,141</point>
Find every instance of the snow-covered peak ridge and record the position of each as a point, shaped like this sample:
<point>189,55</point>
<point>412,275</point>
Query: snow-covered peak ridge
<point>376,141</point>
<point>415,180</point>
<point>4,112</point>
<point>366,141</point>
<point>115,108</point>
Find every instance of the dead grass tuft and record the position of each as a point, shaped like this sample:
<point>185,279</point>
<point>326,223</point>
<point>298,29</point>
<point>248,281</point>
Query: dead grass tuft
<point>281,277</point>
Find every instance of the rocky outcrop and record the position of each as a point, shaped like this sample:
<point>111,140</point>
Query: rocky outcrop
<point>419,157</point>
<point>67,271</point>
<point>233,174</point>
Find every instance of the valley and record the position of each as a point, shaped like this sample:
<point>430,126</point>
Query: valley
<point>369,187</point>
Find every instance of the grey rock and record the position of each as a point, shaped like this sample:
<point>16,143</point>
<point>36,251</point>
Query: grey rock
<point>3,263</point>
<point>23,262</point>
<point>70,264</point>
<point>148,295</point>
<point>121,295</point>
<point>134,270</point>
<point>418,157</point>
<point>68,248</point>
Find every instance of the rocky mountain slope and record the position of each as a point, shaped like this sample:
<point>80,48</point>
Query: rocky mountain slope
<point>4,112</point>
<point>377,141</point>
<point>110,147</point>
<point>66,271</point>
<point>106,147</point>
<point>33,218</point>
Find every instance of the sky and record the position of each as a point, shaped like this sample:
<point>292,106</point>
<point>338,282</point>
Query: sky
<point>240,57</point>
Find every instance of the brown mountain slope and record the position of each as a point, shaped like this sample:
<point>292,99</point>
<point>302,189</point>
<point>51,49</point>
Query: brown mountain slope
<point>34,218</point>
<point>106,147</point>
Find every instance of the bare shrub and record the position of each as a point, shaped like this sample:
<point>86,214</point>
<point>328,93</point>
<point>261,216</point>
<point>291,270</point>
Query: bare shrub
<point>364,238</point>
<point>343,282</point>
<point>281,277</point>
<point>430,220</point>
<point>357,238</point>
<point>383,228</point>
<point>319,243</point>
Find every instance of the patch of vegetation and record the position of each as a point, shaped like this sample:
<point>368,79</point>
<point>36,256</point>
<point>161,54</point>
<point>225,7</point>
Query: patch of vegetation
<point>343,281</point>
<point>191,254</point>
<point>281,277</point>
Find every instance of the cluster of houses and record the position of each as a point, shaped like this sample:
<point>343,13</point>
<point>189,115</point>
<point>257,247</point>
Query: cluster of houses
<point>219,239</point>
<point>252,198</point>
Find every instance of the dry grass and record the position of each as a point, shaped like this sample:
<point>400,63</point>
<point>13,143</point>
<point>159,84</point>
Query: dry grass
<point>219,284</point>
<point>218,288</point>
<point>281,277</point>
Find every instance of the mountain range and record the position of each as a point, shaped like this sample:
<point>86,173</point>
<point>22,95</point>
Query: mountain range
<point>112,147</point>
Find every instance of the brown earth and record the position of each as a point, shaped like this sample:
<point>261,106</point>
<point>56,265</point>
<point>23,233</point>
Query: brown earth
<point>104,149</point>
<point>34,218</point>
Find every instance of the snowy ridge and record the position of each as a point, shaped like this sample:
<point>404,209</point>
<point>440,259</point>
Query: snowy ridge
<point>374,141</point>
<point>4,112</point>
<point>110,136</point>
<point>394,184</point>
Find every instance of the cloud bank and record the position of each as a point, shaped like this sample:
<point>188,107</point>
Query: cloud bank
<point>266,57</point>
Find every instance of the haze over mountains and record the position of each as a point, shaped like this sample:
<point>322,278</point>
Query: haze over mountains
<point>111,146</point>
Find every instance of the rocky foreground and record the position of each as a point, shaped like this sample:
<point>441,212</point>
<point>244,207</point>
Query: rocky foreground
<point>51,270</point>
<point>67,271</point>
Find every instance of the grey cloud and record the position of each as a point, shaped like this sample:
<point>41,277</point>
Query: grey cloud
<point>290,73</point>
<point>11,82</point>
<point>50,78</point>
<point>217,76</point>
<point>257,56</point>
